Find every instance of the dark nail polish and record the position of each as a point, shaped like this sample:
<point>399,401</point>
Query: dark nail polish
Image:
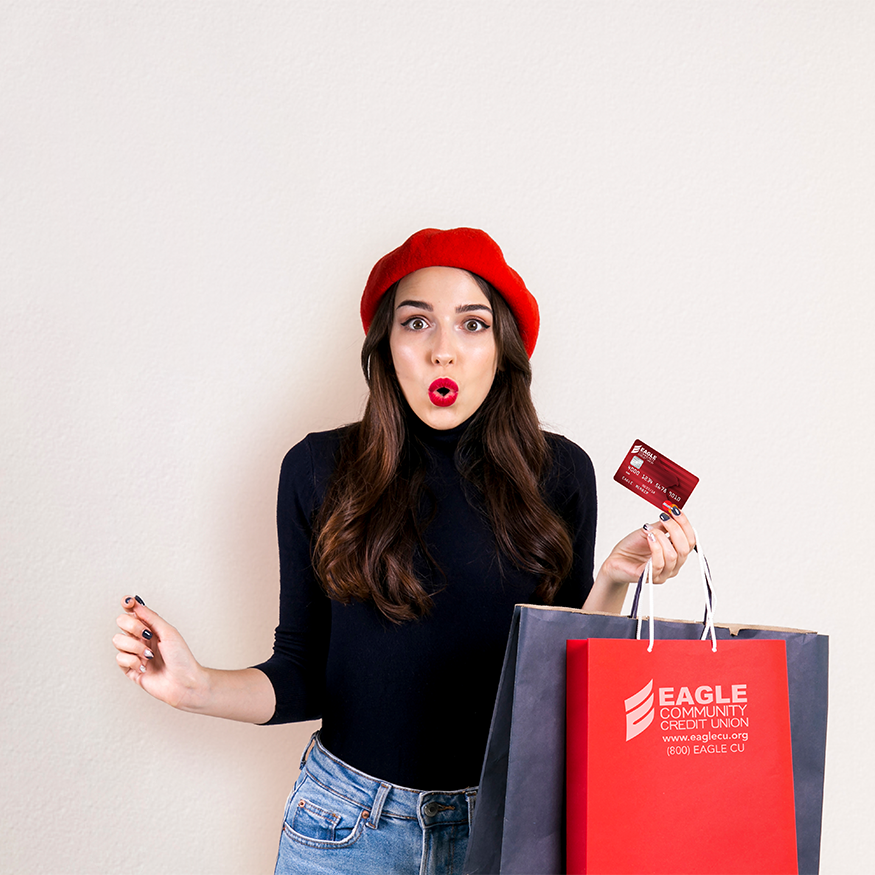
<point>646,527</point>
<point>144,604</point>
<point>675,510</point>
<point>664,517</point>
<point>128,600</point>
<point>147,633</point>
<point>149,655</point>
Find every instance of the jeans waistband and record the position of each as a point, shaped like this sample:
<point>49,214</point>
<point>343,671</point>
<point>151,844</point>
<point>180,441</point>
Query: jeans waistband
<point>382,799</point>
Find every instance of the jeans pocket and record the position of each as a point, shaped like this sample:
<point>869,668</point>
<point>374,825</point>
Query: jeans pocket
<point>320,817</point>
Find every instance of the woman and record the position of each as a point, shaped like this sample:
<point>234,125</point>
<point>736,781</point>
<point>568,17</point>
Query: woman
<point>405,541</point>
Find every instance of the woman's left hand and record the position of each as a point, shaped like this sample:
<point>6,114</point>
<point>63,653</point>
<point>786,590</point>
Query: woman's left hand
<point>666,542</point>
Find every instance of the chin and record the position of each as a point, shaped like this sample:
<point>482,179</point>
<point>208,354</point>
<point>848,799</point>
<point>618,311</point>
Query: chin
<point>441,419</point>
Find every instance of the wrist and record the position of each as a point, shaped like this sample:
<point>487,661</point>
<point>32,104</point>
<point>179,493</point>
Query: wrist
<point>613,574</point>
<point>608,591</point>
<point>197,691</point>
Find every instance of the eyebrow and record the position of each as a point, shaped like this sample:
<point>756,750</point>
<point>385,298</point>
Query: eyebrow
<point>464,308</point>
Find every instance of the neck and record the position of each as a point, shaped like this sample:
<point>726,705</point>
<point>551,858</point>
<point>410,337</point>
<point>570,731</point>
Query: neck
<point>439,437</point>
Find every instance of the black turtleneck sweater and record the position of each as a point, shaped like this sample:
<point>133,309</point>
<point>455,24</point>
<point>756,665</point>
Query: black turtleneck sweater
<point>411,704</point>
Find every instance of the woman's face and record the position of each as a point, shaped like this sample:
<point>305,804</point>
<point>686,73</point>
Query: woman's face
<point>443,345</point>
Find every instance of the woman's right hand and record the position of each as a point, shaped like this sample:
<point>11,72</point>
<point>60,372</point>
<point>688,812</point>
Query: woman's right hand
<point>154,655</point>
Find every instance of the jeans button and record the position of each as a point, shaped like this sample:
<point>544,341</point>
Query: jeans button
<point>431,809</point>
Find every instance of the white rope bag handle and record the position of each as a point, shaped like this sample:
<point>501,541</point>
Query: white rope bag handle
<point>705,573</point>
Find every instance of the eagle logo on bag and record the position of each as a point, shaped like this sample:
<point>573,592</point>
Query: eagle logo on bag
<point>639,711</point>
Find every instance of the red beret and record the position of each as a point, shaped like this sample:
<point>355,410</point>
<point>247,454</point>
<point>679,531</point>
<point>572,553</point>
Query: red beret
<point>467,248</point>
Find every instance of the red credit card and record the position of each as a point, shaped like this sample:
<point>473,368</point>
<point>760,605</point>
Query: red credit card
<point>655,477</point>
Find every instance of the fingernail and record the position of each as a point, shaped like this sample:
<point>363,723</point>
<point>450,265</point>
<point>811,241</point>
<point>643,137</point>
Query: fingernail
<point>675,510</point>
<point>646,527</point>
<point>651,536</point>
<point>142,668</point>
<point>664,517</point>
<point>148,654</point>
<point>144,604</point>
<point>147,633</point>
<point>128,600</point>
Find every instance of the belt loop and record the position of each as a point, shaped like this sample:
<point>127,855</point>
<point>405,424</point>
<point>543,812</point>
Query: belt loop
<point>377,807</point>
<point>306,755</point>
<point>471,797</point>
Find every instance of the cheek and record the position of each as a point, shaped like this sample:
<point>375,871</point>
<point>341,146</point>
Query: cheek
<point>489,363</point>
<point>396,350</point>
<point>402,360</point>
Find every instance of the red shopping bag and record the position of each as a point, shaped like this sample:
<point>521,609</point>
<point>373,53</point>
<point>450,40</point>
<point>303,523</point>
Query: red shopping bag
<point>679,758</point>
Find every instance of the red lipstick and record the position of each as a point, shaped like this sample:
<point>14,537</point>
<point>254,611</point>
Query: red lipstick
<point>443,392</point>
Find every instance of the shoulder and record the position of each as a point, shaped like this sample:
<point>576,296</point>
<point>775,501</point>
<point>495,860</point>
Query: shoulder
<point>316,447</point>
<point>308,466</point>
<point>571,475</point>
<point>568,459</point>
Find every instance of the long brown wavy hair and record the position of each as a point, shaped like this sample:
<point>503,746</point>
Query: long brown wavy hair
<point>371,522</point>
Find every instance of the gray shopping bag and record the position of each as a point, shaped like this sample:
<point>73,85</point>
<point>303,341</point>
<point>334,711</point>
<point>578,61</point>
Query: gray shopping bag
<point>519,823</point>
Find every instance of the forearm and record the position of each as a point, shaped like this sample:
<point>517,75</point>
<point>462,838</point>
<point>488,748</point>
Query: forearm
<point>244,694</point>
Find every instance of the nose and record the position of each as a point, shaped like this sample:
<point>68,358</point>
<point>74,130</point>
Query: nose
<point>444,350</point>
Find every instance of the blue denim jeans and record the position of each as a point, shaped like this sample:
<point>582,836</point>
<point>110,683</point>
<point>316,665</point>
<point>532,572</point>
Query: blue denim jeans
<point>339,821</point>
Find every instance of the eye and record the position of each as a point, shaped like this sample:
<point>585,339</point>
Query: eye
<point>415,323</point>
<point>473,325</point>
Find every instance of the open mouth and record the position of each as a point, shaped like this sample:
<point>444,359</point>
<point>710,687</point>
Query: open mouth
<point>443,392</point>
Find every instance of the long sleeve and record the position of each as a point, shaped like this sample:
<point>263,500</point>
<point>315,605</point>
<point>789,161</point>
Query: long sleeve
<point>301,641</point>
<point>571,490</point>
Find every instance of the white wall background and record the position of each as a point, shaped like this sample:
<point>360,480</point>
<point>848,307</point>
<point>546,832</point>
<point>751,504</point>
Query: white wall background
<point>191,197</point>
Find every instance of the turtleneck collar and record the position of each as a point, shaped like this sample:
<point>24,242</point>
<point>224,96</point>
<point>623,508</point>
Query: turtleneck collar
<point>446,439</point>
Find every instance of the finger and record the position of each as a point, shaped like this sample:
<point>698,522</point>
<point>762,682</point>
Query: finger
<point>680,538</point>
<point>135,646</point>
<point>134,626</point>
<point>657,535</point>
<point>129,644</point>
<point>129,602</point>
<point>682,520</point>
<point>158,626</point>
<point>671,558</point>
<point>658,544</point>
<point>130,664</point>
